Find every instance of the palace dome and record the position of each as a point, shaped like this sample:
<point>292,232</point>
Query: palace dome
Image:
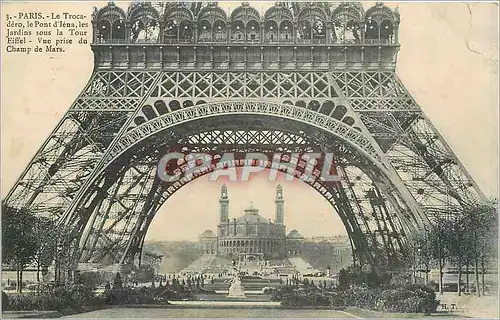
<point>294,235</point>
<point>251,216</point>
<point>208,234</point>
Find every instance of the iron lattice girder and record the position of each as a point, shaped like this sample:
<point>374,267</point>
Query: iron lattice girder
<point>283,84</point>
<point>385,91</point>
<point>117,89</point>
<point>250,108</point>
<point>419,153</point>
<point>70,154</point>
<point>65,160</point>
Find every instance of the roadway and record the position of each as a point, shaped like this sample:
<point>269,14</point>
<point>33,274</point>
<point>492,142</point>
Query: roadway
<point>212,309</point>
<point>214,312</point>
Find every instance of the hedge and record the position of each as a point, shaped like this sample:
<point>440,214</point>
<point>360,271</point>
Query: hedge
<point>77,296</point>
<point>408,299</point>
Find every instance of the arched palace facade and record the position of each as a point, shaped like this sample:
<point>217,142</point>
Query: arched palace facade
<point>251,233</point>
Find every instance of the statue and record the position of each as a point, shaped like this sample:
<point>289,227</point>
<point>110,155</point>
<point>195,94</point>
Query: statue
<point>95,13</point>
<point>236,288</point>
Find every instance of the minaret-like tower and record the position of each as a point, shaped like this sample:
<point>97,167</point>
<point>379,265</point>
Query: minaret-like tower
<point>279,218</point>
<point>224,204</point>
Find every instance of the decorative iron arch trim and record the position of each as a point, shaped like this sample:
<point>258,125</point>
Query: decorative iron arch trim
<point>245,12</point>
<point>111,13</point>
<point>274,22</point>
<point>206,21</point>
<point>277,13</point>
<point>180,12</point>
<point>212,13</point>
<point>380,12</point>
<point>312,10</point>
<point>252,21</point>
<point>137,11</point>
<point>352,11</point>
<point>318,120</point>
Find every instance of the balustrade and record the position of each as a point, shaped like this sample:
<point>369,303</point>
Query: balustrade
<point>347,24</point>
<point>342,39</point>
<point>243,41</point>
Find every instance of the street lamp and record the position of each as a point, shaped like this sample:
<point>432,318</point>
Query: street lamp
<point>418,263</point>
<point>57,274</point>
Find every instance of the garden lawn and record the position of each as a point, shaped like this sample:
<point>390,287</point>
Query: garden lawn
<point>370,314</point>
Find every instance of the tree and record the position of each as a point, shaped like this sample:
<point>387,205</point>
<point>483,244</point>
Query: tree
<point>467,238</point>
<point>440,237</point>
<point>144,273</point>
<point>19,243</point>
<point>118,284</point>
<point>457,246</point>
<point>411,255</point>
<point>424,253</point>
<point>90,279</point>
<point>344,279</point>
<point>482,222</point>
<point>305,282</point>
<point>45,232</point>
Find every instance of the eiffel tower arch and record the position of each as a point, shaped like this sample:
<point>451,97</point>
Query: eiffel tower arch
<point>302,77</point>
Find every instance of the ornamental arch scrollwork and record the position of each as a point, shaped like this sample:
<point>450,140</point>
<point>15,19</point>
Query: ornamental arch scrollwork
<point>347,21</point>
<point>312,24</point>
<point>109,23</point>
<point>245,13</point>
<point>178,24</point>
<point>245,23</point>
<point>278,24</point>
<point>341,129</point>
<point>143,23</point>
<point>212,12</point>
<point>381,24</point>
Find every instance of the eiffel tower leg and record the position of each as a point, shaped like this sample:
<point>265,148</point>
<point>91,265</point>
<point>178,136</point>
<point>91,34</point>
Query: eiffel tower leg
<point>134,87</point>
<point>338,80</point>
<point>68,156</point>
<point>434,176</point>
<point>125,201</point>
<point>134,244</point>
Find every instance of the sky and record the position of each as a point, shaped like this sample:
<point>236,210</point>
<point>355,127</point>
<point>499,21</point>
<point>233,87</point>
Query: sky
<point>448,61</point>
